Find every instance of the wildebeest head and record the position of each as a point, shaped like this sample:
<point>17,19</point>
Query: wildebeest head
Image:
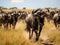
<point>39,13</point>
<point>22,15</point>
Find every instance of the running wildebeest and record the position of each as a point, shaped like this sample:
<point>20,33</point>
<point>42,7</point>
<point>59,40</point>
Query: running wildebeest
<point>12,19</point>
<point>9,19</point>
<point>0,20</point>
<point>22,15</point>
<point>49,15</point>
<point>5,20</point>
<point>35,23</point>
<point>56,19</point>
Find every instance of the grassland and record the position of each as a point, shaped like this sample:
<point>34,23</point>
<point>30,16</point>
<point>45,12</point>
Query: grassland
<point>19,36</point>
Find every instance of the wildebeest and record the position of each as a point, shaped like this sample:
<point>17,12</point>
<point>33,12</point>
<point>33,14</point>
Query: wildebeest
<point>9,18</point>
<point>12,19</point>
<point>5,20</point>
<point>49,15</point>
<point>35,23</point>
<point>0,20</point>
<point>56,19</point>
<point>2,17</point>
<point>22,15</point>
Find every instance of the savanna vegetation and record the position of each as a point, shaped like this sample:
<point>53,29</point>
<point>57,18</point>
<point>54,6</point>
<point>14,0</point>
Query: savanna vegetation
<point>19,36</point>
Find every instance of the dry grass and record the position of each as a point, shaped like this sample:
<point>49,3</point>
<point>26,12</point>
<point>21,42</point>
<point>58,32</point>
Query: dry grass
<point>20,37</point>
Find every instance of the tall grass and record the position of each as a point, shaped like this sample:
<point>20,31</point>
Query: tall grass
<point>20,37</point>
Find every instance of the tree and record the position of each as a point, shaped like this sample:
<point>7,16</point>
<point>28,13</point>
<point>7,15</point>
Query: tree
<point>24,7</point>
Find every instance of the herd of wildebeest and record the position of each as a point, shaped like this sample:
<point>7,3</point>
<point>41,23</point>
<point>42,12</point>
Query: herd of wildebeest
<point>34,20</point>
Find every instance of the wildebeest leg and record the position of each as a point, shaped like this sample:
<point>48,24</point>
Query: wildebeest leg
<point>30,34</point>
<point>38,32</point>
<point>0,25</point>
<point>36,35</point>
<point>9,25</point>
<point>41,26</point>
<point>28,28</point>
<point>5,25</point>
<point>55,24</point>
<point>14,25</point>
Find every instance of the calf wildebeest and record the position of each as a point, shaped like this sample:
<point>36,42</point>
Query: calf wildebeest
<point>35,23</point>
